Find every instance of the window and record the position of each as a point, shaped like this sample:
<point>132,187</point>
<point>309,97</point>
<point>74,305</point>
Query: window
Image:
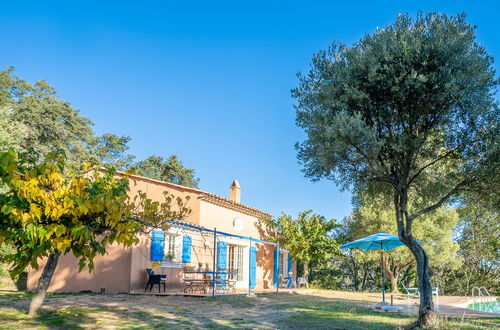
<point>283,264</point>
<point>170,247</point>
<point>235,262</point>
<point>240,264</point>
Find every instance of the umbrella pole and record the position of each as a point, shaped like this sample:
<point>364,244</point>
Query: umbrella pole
<point>382,268</point>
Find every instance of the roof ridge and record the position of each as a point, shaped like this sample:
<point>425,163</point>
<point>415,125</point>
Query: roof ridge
<point>207,196</point>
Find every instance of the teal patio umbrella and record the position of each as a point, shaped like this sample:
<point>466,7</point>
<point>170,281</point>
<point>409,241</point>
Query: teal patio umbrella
<point>382,241</point>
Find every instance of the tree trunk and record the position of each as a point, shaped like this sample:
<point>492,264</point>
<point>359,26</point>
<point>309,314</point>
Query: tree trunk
<point>43,283</point>
<point>306,272</point>
<point>365,276</point>
<point>393,275</point>
<point>427,316</point>
<point>394,283</point>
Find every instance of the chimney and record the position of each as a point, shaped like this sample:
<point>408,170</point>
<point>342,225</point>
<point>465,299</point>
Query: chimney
<point>234,191</point>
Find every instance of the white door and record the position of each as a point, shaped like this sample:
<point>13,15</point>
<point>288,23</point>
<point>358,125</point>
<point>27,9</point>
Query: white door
<point>237,264</point>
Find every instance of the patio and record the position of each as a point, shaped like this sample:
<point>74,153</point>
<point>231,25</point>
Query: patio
<point>226,264</point>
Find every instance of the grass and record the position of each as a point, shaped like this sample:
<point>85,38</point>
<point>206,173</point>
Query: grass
<point>299,311</point>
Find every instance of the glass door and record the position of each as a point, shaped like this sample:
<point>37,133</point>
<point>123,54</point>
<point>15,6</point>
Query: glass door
<point>235,262</point>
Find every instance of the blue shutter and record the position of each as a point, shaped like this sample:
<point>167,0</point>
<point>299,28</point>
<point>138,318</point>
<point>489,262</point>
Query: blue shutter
<point>221,255</point>
<point>156,252</point>
<point>253,267</point>
<point>186,248</point>
<point>276,265</point>
<point>290,266</point>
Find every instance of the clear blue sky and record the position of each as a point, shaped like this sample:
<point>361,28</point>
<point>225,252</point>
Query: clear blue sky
<point>208,81</point>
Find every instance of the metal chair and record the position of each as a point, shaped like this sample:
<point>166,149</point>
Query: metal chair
<point>410,292</point>
<point>291,281</point>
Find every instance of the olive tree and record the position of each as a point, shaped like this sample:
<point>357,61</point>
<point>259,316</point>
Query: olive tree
<point>411,106</point>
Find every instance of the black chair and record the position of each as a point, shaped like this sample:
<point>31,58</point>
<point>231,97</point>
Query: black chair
<point>155,279</point>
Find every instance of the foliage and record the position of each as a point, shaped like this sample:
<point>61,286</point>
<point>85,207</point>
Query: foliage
<point>32,117</point>
<point>45,212</point>
<point>111,150</point>
<point>170,170</point>
<point>478,235</point>
<point>411,107</point>
<point>5,249</point>
<point>35,118</point>
<point>373,214</point>
<point>308,238</point>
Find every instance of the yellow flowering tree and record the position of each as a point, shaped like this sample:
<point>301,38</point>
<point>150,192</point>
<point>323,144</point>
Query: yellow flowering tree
<point>45,213</point>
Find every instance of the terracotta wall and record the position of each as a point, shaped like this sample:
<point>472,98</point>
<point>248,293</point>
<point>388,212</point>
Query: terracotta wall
<point>111,273</point>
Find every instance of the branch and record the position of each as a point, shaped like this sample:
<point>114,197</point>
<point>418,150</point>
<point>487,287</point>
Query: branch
<point>407,264</point>
<point>440,202</point>
<point>430,164</point>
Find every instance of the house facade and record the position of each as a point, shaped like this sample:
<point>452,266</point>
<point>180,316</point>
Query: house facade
<point>239,247</point>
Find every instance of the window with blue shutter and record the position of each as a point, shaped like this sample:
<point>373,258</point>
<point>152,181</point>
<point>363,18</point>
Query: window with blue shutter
<point>276,267</point>
<point>186,248</point>
<point>156,252</point>
<point>290,267</point>
<point>221,255</point>
<point>253,266</point>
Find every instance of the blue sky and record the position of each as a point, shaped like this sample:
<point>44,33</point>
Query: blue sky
<point>208,81</point>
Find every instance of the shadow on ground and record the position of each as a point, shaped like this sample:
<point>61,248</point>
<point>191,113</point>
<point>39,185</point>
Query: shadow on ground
<point>286,310</point>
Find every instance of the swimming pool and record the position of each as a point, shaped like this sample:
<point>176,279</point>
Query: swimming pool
<point>487,307</point>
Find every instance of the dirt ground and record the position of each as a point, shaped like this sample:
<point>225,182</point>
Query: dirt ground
<point>301,309</point>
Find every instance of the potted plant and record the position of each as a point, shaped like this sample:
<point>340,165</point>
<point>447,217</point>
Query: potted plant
<point>200,265</point>
<point>207,267</point>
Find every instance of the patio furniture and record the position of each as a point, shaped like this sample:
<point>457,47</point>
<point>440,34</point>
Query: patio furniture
<point>292,283</point>
<point>231,286</point>
<point>302,281</point>
<point>192,285</point>
<point>382,241</point>
<point>411,292</point>
<point>193,282</point>
<point>283,281</point>
<point>156,279</point>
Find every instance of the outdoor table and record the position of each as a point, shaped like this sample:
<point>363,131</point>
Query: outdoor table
<point>204,284</point>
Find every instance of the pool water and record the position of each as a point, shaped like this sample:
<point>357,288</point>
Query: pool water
<point>488,307</point>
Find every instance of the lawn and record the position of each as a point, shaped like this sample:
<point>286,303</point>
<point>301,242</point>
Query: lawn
<point>311,309</point>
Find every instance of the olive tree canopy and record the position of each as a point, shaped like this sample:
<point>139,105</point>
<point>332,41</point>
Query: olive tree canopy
<point>411,106</point>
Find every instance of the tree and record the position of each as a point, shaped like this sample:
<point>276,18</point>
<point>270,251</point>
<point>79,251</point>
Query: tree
<point>32,117</point>
<point>111,150</point>
<point>170,170</point>
<point>478,235</point>
<point>412,107</point>
<point>37,119</point>
<point>373,214</point>
<point>45,214</point>
<point>308,238</point>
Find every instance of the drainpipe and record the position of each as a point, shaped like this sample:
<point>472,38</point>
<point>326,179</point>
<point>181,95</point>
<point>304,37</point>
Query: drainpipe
<point>278,268</point>
<point>213,268</point>
<point>249,267</point>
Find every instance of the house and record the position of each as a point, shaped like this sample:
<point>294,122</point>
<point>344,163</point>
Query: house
<point>219,229</point>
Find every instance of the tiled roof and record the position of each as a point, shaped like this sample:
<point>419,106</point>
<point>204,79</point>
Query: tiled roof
<point>230,204</point>
<point>207,197</point>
